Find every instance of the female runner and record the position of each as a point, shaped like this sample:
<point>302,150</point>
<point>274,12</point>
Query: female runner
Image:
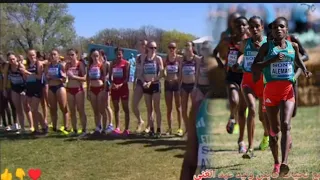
<point>171,86</point>
<point>33,76</point>
<point>250,90</point>
<point>188,80</point>
<point>150,76</point>
<point>75,94</point>
<point>119,75</point>
<point>233,79</point>
<point>13,74</point>
<point>138,87</point>
<point>56,76</point>
<point>96,90</point>
<point>304,57</point>
<point>276,60</point>
<point>4,103</point>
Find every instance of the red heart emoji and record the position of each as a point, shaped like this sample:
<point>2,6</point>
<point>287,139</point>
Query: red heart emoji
<point>34,174</point>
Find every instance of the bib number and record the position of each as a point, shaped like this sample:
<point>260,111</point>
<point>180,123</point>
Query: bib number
<point>171,69</point>
<point>53,71</point>
<point>248,60</point>
<point>232,58</point>
<point>281,69</point>
<point>188,70</point>
<point>117,72</point>
<point>94,73</point>
<point>150,68</point>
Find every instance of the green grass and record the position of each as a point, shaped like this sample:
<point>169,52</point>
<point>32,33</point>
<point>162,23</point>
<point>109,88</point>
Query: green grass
<point>147,159</point>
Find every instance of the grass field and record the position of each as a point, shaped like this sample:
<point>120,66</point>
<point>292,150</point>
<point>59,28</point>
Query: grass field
<point>138,158</point>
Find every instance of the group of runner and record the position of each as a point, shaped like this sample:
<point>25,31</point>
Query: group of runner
<point>257,67</point>
<point>54,82</point>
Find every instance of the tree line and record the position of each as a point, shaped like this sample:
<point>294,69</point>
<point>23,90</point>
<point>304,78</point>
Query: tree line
<point>45,26</point>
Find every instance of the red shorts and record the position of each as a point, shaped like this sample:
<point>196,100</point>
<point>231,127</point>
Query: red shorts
<point>121,93</point>
<point>257,88</point>
<point>277,91</point>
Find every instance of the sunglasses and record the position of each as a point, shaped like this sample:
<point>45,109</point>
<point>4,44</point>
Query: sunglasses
<point>152,47</point>
<point>171,47</point>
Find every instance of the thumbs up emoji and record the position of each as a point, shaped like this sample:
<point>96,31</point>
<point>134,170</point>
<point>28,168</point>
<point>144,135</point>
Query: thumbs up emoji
<point>20,173</point>
<point>6,175</point>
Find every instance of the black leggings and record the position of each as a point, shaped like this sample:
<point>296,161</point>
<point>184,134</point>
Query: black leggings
<point>5,110</point>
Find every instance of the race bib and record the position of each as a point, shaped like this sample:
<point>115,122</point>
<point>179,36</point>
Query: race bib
<point>281,69</point>
<point>94,73</point>
<point>16,79</point>
<point>117,72</point>
<point>248,60</point>
<point>232,58</point>
<point>150,68</point>
<point>172,69</point>
<point>188,70</point>
<point>53,71</point>
<point>74,71</point>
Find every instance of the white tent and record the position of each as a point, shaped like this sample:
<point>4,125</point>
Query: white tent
<point>198,42</point>
<point>202,39</point>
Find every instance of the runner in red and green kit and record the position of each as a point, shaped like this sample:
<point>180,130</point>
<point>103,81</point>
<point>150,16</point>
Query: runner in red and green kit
<point>250,90</point>
<point>119,75</point>
<point>276,59</point>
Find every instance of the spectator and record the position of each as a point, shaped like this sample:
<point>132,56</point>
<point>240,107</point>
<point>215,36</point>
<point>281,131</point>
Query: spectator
<point>132,61</point>
<point>103,55</point>
<point>269,14</point>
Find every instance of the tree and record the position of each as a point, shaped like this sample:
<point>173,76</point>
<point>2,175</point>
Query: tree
<point>39,25</point>
<point>179,38</point>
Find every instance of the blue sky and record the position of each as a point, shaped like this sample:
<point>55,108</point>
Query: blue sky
<point>91,18</point>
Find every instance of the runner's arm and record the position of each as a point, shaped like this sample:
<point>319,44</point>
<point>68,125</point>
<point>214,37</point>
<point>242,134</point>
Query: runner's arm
<point>161,69</point>
<point>180,73</point>
<point>83,72</point>
<point>216,52</point>
<point>198,60</point>
<point>302,51</point>
<point>128,73</point>
<point>63,73</point>
<point>255,67</point>
<point>297,58</point>
<point>189,165</point>
<point>40,70</point>
<point>88,80</point>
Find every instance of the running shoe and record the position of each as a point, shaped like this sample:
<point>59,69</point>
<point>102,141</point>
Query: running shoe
<point>151,134</point>
<point>236,129</point>
<point>264,143</point>
<point>147,130</point>
<point>15,127</point>
<point>109,129</point>
<point>157,135</point>
<point>64,130</point>
<point>241,147</point>
<point>276,171</point>
<point>139,127</point>
<point>79,131</point>
<point>180,132</point>
<point>32,129</point>
<point>126,133</point>
<point>21,132</point>
<point>8,128</point>
<point>169,132</point>
<point>230,126</point>
<point>116,131</point>
<point>83,134</point>
<point>284,170</point>
<point>248,154</point>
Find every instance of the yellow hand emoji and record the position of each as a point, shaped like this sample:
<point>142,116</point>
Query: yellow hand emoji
<point>20,173</point>
<point>6,175</point>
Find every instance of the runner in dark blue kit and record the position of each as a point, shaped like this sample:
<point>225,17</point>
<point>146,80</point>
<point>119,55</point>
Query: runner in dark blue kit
<point>33,76</point>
